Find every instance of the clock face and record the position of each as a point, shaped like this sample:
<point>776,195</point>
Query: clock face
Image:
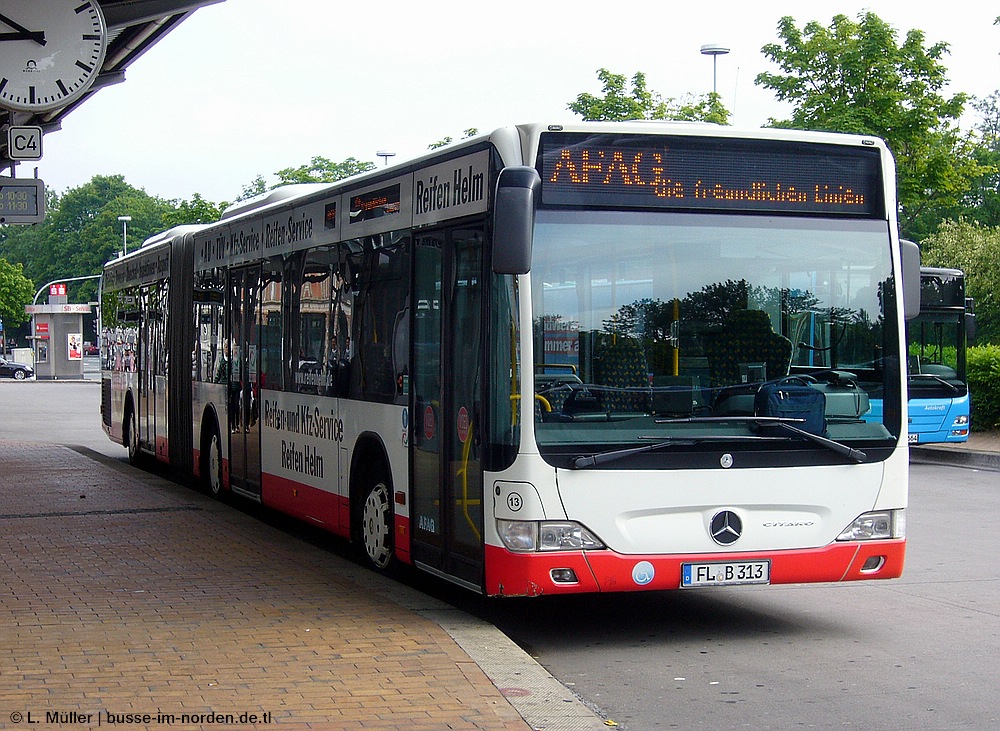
<point>50,52</point>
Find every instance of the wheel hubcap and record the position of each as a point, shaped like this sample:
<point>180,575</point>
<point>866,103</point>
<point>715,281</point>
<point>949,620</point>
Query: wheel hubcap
<point>214,477</point>
<point>375,525</point>
<point>133,437</point>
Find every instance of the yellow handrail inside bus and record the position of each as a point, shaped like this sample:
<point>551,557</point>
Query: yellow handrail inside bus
<point>538,397</point>
<point>463,471</point>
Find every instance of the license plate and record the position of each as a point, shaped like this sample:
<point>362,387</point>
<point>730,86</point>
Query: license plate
<point>725,573</point>
<point>911,438</point>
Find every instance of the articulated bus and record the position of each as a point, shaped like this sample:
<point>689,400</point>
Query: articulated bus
<point>551,359</point>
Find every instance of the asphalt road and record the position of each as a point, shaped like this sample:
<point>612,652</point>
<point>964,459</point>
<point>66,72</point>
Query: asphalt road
<point>914,653</point>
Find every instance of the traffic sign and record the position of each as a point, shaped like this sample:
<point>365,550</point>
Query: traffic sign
<point>24,143</point>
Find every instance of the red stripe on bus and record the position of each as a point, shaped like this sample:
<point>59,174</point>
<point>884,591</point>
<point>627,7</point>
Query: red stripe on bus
<point>529,574</point>
<point>319,507</point>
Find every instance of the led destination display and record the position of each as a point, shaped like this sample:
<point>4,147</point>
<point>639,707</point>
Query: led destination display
<point>710,173</point>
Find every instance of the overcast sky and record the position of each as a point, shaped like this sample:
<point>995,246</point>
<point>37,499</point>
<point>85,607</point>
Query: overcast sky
<point>248,87</point>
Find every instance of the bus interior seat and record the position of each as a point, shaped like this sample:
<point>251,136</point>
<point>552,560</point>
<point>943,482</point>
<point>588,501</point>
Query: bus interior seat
<point>746,345</point>
<point>620,366</point>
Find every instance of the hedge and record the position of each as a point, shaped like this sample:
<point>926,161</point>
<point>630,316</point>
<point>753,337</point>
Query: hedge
<point>983,364</point>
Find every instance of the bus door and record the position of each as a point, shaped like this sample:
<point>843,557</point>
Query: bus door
<point>244,406</point>
<point>145,383</point>
<point>447,506</point>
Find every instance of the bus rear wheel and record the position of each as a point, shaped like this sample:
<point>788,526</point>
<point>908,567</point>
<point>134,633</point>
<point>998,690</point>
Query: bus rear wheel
<point>376,525</point>
<point>131,430</point>
<point>212,465</point>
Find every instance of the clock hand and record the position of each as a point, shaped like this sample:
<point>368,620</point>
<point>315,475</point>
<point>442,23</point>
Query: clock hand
<point>36,36</point>
<point>24,34</point>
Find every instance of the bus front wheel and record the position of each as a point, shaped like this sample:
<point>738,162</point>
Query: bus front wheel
<point>376,524</point>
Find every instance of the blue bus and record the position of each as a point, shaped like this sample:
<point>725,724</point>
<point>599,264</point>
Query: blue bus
<point>938,390</point>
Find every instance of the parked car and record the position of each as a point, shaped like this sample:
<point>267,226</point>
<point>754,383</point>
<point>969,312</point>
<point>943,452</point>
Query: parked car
<point>17,371</point>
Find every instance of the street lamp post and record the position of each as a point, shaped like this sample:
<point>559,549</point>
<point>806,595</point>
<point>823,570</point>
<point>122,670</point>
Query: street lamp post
<point>124,220</point>
<point>714,50</point>
<point>385,155</point>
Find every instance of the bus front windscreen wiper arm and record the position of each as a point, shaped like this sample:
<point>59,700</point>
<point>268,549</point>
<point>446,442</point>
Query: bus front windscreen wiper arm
<point>787,424</point>
<point>917,377</point>
<point>593,460</point>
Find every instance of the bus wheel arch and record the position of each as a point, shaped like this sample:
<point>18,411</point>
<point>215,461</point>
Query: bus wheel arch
<point>212,466</point>
<point>371,500</point>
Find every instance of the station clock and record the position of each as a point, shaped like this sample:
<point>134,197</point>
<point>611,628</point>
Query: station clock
<point>50,52</point>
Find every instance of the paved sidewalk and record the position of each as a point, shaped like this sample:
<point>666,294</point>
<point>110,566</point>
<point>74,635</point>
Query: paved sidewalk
<point>982,451</point>
<point>124,593</point>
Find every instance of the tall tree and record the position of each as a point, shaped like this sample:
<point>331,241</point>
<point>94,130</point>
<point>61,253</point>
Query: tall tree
<point>16,291</point>
<point>196,210</point>
<point>982,201</point>
<point>81,230</point>
<point>638,102</point>
<point>975,249</point>
<point>445,141</point>
<point>854,77</point>
<point>323,170</point>
<point>319,170</point>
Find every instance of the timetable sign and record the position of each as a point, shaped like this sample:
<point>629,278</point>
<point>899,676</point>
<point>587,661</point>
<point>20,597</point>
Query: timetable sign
<point>22,200</point>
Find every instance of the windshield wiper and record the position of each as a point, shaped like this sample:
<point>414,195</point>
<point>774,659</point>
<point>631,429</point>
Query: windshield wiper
<point>932,377</point>
<point>592,460</point>
<point>788,424</point>
<point>850,452</point>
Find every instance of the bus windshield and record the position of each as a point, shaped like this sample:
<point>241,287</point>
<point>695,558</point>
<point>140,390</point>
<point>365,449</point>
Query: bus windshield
<point>936,342</point>
<point>661,324</point>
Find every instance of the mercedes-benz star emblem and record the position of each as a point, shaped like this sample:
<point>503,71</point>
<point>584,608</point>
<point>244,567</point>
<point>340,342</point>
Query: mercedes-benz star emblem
<point>726,527</point>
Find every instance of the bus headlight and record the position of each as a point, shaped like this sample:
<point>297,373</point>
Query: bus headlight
<point>961,420</point>
<point>566,537</point>
<point>529,535</point>
<point>878,525</point>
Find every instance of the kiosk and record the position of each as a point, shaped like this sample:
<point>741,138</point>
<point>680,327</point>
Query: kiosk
<point>58,336</point>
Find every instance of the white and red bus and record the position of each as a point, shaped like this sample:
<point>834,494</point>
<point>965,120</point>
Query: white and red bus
<point>550,359</point>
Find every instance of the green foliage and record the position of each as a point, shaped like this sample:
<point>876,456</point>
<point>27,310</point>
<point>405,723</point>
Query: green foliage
<point>257,186</point>
<point>196,210</point>
<point>81,231</point>
<point>853,77</point>
<point>445,141</point>
<point>323,170</point>
<point>621,104</point>
<point>319,170</point>
<point>975,249</point>
<point>983,365</point>
<point>707,108</point>
<point>981,201</point>
<point>16,291</point>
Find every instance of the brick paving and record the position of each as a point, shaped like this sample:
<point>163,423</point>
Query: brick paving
<point>123,593</point>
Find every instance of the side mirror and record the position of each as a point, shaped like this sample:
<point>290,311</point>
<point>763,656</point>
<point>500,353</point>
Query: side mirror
<point>514,219</point>
<point>970,326</point>
<point>909,255</point>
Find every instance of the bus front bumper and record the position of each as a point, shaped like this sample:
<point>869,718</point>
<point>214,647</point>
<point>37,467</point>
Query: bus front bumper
<point>533,574</point>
